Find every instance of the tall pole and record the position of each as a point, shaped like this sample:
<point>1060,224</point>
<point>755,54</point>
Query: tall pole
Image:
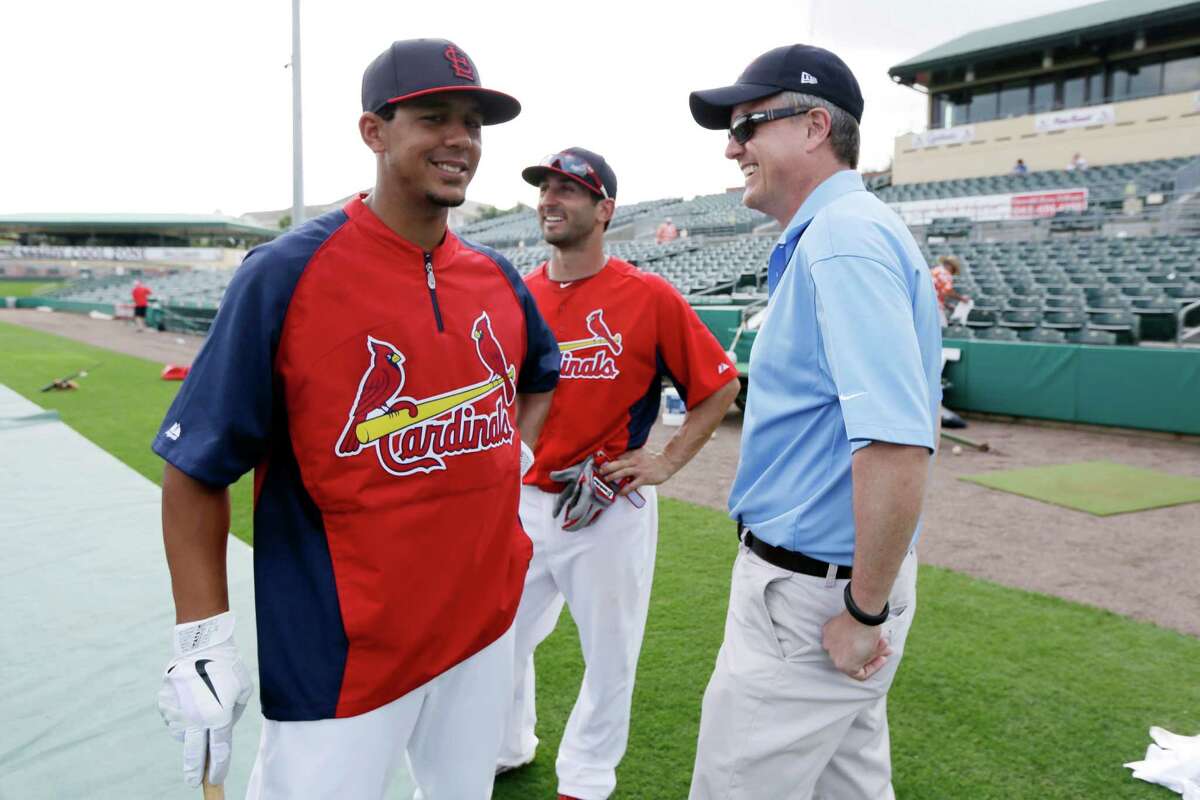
<point>297,145</point>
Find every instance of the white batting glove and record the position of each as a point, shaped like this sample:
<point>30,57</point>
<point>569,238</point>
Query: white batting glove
<point>584,497</point>
<point>526,459</point>
<point>205,689</point>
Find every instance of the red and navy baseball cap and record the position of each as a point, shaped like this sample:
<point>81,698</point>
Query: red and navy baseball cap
<point>792,68</point>
<point>417,67</point>
<point>580,165</point>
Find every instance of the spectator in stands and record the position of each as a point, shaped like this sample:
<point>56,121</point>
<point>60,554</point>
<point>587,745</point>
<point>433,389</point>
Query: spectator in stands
<point>666,232</point>
<point>840,424</point>
<point>1078,162</point>
<point>943,275</point>
<point>141,301</point>
<point>1019,168</point>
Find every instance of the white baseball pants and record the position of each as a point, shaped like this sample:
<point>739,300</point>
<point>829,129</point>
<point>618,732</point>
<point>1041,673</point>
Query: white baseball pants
<point>450,728</point>
<point>604,573</point>
<point>779,720</point>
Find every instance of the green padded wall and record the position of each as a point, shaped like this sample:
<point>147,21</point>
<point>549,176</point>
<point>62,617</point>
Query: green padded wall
<point>1131,387</point>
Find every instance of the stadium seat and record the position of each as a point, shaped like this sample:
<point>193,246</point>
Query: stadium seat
<point>1042,336</point>
<point>1091,337</point>
<point>1121,323</point>
<point>957,332</point>
<point>1067,320</point>
<point>1021,318</point>
<point>997,334</point>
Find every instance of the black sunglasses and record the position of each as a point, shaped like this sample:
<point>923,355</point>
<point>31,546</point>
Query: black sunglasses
<point>577,168</point>
<point>742,129</point>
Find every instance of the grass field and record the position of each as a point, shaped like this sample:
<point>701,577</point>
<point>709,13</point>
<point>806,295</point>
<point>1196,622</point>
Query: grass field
<point>1003,694</point>
<point>27,288</point>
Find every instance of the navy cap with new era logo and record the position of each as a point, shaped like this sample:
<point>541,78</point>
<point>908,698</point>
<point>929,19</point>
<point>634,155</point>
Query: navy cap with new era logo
<point>792,68</point>
<point>414,68</point>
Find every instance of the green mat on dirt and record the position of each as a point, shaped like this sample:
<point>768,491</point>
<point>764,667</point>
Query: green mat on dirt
<point>1097,487</point>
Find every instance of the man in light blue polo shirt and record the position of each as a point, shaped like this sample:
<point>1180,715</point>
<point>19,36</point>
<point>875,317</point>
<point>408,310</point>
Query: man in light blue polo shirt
<point>840,425</point>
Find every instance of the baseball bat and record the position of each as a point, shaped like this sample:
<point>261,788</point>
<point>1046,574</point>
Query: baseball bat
<point>580,344</point>
<point>381,426</point>
<point>982,447</point>
<point>212,791</point>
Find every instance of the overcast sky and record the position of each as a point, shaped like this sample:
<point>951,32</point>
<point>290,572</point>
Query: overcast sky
<point>165,106</point>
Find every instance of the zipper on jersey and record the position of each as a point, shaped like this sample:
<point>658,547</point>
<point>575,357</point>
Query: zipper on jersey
<point>431,282</point>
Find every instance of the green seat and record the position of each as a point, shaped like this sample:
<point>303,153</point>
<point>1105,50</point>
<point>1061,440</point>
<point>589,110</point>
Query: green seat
<point>997,334</point>
<point>1091,337</point>
<point>1042,336</point>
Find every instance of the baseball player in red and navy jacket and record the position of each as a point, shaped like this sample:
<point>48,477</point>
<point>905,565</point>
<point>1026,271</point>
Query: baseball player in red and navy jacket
<point>378,374</point>
<point>593,518</point>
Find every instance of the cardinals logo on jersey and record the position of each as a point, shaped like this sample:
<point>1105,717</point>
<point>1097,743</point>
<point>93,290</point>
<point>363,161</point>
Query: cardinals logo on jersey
<point>600,364</point>
<point>415,435</point>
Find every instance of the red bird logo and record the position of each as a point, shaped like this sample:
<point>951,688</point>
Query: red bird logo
<point>491,355</point>
<point>378,391</point>
<point>599,328</point>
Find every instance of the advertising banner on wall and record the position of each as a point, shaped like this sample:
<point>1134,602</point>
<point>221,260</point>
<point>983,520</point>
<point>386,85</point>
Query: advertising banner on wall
<point>993,207</point>
<point>941,136</point>
<point>85,253</point>
<point>1074,118</point>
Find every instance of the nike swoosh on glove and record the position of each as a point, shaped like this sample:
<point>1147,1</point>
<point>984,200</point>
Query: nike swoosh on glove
<point>204,691</point>
<point>584,497</point>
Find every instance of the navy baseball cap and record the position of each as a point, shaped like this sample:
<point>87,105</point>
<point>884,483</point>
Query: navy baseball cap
<point>416,67</point>
<point>792,68</point>
<point>580,165</point>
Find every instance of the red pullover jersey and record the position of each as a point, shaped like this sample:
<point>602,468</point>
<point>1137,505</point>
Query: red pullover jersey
<point>370,385</point>
<point>620,332</point>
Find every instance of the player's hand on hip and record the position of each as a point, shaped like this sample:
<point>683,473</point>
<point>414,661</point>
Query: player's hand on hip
<point>585,495</point>
<point>856,649</point>
<point>204,691</point>
<point>641,467</point>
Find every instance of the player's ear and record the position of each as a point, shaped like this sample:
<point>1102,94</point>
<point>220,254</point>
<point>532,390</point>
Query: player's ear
<point>373,130</point>
<point>605,210</point>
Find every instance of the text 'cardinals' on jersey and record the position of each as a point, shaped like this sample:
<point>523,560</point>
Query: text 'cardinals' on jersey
<point>620,332</point>
<point>379,418</point>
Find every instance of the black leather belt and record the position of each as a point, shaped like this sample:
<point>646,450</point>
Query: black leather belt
<point>789,559</point>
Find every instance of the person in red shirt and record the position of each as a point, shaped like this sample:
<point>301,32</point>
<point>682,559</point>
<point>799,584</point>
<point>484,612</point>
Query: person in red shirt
<point>666,232</point>
<point>141,301</point>
<point>379,375</point>
<point>594,522</point>
<point>943,274</point>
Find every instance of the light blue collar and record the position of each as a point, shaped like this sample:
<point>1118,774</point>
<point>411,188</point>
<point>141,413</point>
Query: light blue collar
<point>830,189</point>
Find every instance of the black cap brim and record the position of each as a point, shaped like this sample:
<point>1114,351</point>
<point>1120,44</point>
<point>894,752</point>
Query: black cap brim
<point>496,107</point>
<point>711,107</point>
<point>535,175</point>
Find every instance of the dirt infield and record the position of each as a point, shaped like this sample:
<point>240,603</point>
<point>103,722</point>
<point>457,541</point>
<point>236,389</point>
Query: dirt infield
<point>1142,565</point>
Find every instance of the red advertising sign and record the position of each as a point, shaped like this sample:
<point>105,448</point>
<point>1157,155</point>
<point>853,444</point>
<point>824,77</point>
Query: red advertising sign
<point>1047,204</point>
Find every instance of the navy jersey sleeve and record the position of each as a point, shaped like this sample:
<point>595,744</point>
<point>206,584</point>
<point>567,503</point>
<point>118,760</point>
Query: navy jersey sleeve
<point>218,427</point>
<point>539,370</point>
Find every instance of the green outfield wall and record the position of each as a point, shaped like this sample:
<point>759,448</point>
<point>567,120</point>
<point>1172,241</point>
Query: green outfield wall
<point>1129,387</point>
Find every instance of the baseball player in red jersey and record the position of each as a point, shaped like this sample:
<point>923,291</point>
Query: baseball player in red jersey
<point>378,374</point>
<point>594,519</point>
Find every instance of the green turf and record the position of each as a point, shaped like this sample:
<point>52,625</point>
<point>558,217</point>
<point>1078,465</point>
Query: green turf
<point>1097,487</point>
<point>119,405</point>
<point>1003,693</point>
<point>27,288</point>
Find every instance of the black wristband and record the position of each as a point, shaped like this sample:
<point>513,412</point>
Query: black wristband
<point>873,620</point>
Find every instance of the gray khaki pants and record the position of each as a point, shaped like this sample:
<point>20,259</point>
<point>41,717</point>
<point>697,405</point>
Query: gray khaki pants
<point>779,722</point>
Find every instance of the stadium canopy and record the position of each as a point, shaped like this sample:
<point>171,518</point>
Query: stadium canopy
<point>170,225</point>
<point>1060,28</point>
